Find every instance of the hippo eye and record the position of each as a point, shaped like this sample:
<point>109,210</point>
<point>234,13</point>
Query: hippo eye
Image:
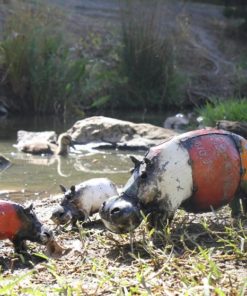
<point>143,174</point>
<point>69,196</point>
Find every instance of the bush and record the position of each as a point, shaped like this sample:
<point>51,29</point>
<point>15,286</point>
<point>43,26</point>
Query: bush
<point>41,75</point>
<point>232,109</point>
<point>147,60</point>
<point>37,67</point>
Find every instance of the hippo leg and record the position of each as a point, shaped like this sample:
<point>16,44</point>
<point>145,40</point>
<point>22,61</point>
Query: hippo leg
<point>81,216</point>
<point>19,245</point>
<point>74,222</point>
<point>158,221</point>
<point>84,216</point>
<point>157,215</point>
<point>244,203</point>
<point>236,208</point>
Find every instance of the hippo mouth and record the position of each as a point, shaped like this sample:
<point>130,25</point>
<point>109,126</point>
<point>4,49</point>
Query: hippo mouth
<point>61,217</point>
<point>120,215</point>
<point>45,236</point>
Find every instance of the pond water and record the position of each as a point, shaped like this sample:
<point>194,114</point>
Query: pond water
<point>39,176</point>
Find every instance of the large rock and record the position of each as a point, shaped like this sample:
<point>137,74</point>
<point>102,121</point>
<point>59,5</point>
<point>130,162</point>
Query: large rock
<point>105,131</point>
<point>26,136</point>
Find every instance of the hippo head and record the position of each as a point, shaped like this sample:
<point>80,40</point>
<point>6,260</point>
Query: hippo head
<point>124,213</point>
<point>68,210</point>
<point>31,228</point>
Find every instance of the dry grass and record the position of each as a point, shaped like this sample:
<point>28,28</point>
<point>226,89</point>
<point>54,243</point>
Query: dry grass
<point>198,255</point>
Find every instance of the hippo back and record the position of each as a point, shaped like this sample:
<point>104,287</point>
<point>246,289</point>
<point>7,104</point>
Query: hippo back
<point>93,192</point>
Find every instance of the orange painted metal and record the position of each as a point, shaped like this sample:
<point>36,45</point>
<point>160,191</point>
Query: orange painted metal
<point>10,223</point>
<point>216,169</point>
<point>243,157</point>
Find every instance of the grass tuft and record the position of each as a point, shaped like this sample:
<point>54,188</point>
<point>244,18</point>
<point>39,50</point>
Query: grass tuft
<point>232,109</point>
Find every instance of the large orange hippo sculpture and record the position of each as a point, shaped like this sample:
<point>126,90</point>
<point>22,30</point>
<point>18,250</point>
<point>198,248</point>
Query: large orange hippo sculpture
<point>199,171</point>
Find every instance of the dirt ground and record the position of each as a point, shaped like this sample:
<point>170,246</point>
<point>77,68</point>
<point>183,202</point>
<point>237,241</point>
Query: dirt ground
<point>201,253</point>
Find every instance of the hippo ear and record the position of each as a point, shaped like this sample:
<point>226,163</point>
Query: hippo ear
<point>72,188</point>
<point>136,161</point>
<point>29,208</point>
<point>147,161</point>
<point>62,188</point>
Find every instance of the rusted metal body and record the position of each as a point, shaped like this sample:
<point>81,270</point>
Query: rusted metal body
<point>198,171</point>
<point>10,222</point>
<point>19,224</point>
<point>216,169</point>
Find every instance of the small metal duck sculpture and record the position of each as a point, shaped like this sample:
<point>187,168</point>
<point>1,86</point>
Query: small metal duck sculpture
<point>46,147</point>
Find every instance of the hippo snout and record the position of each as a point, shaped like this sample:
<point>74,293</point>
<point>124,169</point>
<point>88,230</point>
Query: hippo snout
<point>120,215</point>
<point>61,216</point>
<point>45,235</point>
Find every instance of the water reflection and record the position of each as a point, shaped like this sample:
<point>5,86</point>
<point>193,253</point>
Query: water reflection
<point>45,173</point>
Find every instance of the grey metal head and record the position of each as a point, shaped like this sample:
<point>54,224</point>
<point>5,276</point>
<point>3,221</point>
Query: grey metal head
<point>32,229</point>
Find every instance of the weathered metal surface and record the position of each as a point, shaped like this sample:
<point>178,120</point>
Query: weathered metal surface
<point>20,224</point>
<point>172,176</point>
<point>199,171</point>
<point>216,168</point>
<point>10,222</point>
<point>83,200</point>
<point>243,157</point>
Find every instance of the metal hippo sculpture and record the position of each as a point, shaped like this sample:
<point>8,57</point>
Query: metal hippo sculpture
<point>19,224</point>
<point>198,171</point>
<point>83,200</point>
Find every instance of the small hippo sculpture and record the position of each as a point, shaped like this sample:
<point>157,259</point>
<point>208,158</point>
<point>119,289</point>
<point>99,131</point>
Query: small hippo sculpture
<point>83,200</point>
<point>198,171</point>
<point>19,224</point>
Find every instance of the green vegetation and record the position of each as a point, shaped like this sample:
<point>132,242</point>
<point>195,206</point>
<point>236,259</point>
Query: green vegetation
<point>38,71</point>
<point>42,74</point>
<point>133,67</point>
<point>232,109</point>
<point>237,10</point>
<point>147,58</point>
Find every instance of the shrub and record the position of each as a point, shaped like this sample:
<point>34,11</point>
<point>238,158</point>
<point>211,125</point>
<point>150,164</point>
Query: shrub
<point>232,109</point>
<point>36,63</point>
<point>147,59</point>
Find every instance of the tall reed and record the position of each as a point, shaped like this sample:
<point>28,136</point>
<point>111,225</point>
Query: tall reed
<point>147,55</point>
